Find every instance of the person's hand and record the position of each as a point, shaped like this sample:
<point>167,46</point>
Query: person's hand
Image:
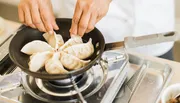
<point>37,14</point>
<point>87,14</point>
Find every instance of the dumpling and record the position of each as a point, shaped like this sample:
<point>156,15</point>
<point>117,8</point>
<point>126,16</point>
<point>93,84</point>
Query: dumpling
<point>54,66</point>
<point>60,40</point>
<point>71,62</point>
<point>38,60</point>
<point>82,51</point>
<point>53,39</point>
<point>36,46</point>
<point>72,41</point>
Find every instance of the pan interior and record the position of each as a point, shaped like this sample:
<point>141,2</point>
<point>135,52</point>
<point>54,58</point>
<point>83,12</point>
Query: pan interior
<point>28,34</point>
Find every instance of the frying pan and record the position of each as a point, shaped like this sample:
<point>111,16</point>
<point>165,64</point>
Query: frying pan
<point>28,34</point>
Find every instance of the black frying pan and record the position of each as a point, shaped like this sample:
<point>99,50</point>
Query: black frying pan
<point>28,34</point>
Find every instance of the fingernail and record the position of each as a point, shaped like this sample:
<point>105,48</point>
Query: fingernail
<point>80,35</point>
<point>50,32</point>
<point>70,31</point>
<point>33,26</point>
<point>87,31</point>
<point>74,35</point>
<point>56,27</point>
<point>42,30</point>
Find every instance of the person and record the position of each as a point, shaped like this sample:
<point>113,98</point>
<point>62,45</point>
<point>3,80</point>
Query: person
<point>116,19</point>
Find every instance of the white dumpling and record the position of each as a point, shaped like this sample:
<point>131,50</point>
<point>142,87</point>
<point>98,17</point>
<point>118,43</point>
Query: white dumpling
<point>82,51</point>
<point>54,66</point>
<point>71,62</point>
<point>36,46</point>
<point>53,39</point>
<point>72,41</point>
<point>60,40</point>
<point>37,60</point>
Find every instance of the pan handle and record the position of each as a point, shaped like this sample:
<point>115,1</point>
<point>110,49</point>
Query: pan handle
<point>132,42</point>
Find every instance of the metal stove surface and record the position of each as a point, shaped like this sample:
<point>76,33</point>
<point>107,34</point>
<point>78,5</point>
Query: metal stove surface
<point>117,70</point>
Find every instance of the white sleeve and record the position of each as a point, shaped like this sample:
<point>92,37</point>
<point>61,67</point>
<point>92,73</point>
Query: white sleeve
<point>153,16</point>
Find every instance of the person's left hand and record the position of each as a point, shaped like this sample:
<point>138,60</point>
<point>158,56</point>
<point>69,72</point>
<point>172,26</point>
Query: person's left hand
<point>87,14</point>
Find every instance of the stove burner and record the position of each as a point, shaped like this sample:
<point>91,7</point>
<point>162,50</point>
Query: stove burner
<point>66,83</point>
<point>59,90</point>
<point>62,90</point>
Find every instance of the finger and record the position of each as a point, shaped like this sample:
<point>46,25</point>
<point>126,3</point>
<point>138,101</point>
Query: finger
<point>75,20</point>
<point>21,14</point>
<point>36,18</point>
<point>82,26</point>
<point>28,19</point>
<point>55,26</point>
<point>99,18</point>
<point>92,22</point>
<point>46,18</point>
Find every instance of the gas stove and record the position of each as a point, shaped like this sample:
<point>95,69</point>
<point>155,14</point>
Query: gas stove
<point>119,78</point>
<point>91,85</point>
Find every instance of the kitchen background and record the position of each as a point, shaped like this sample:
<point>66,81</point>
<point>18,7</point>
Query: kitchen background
<point>8,10</point>
<point>177,25</point>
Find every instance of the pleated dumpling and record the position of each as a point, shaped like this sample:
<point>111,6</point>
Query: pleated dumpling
<point>60,40</point>
<point>54,66</point>
<point>72,41</point>
<point>53,39</point>
<point>82,51</point>
<point>36,46</point>
<point>37,60</point>
<point>71,62</point>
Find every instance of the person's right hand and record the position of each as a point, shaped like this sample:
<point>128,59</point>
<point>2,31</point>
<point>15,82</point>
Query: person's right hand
<point>37,14</point>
